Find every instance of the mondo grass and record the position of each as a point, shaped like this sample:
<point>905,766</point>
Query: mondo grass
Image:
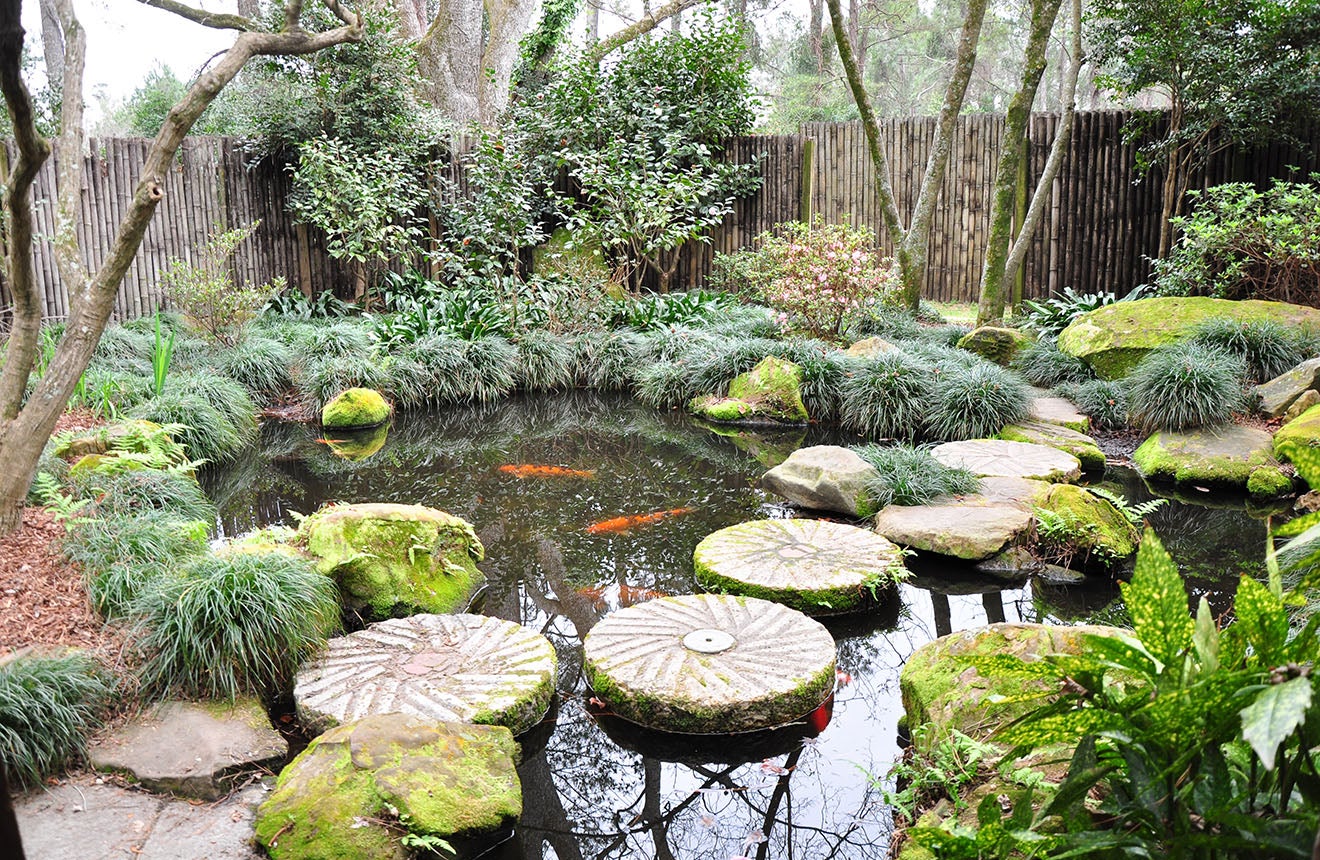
<point>49,704</point>
<point>122,555</point>
<point>446,375</point>
<point>237,623</point>
<point>713,371</point>
<point>606,360</point>
<point>123,346</point>
<point>976,402</point>
<point>129,494</point>
<point>665,384</point>
<point>681,343</point>
<point>824,370</point>
<point>323,378</point>
<point>944,335</point>
<point>1043,364</point>
<point>1266,348</point>
<point>208,433</point>
<point>339,339</point>
<point>545,361</point>
<point>259,364</point>
<point>911,476</point>
<point>494,363</point>
<point>223,393</point>
<point>108,392</point>
<point>1104,401</point>
<point>1185,385</point>
<point>886,397</point>
<point>743,321</point>
<point>884,321</point>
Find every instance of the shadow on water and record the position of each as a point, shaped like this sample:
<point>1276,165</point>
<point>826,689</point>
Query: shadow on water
<point>593,786</point>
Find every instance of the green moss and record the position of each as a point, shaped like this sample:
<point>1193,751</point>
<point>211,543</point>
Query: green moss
<point>395,560</point>
<point>775,387</point>
<point>354,408</point>
<point>1301,432</point>
<point>1081,446</point>
<point>1099,532</point>
<point>1194,458</point>
<point>994,343</point>
<point>722,409</point>
<point>1267,482</point>
<point>359,445</point>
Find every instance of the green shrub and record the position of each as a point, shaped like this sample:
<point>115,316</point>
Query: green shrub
<point>133,493</point>
<point>885,397</point>
<point>681,343</point>
<point>49,704</point>
<point>884,321</point>
<point>109,393</point>
<point>1184,385</point>
<point>941,358</point>
<point>208,433</point>
<point>665,384</point>
<point>494,364</point>
<point>654,311</point>
<point>976,402</point>
<point>1266,348</point>
<point>325,377</point>
<point>1051,316</point>
<point>744,321</point>
<point>911,476</point>
<point>1043,364</point>
<point>1104,401</point>
<point>605,360</point>
<point>206,293</point>
<point>748,271</point>
<point>123,348</point>
<point>226,625</point>
<point>259,364</point>
<point>545,361</point>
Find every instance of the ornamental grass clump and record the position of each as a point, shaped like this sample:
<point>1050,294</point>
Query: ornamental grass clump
<point>259,364</point>
<point>545,361</point>
<point>976,402</point>
<point>133,493</point>
<point>665,384</point>
<point>217,418</point>
<point>1183,386</point>
<point>233,624</point>
<point>323,378</point>
<point>824,370</point>
<point>911,476</point>
<point>1043,364</point>
<point>494,363</point>
<point>49,705</point>
<point>449,376</point>
<point>1104,401</point>
<point>606,360</point>
<point>341,338</point>
<point>886,397</point>
<point>1267,348</point>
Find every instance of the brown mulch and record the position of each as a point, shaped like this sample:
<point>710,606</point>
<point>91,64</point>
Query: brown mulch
<point>42,598</point>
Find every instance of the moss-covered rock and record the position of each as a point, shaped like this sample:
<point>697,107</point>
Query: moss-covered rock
<point>1098,534</point>
<point>355,408</point>
<point>395,560</point>
<point>358,788</point>
<point>870,347</point>
<point>1280,393</point>
<point>124,435</point>
<point>1081,446</point>
<point>770,393</point>
<point>1114,338</point>
<point>1268,482</point>
<point>1221,458</point>
<point>1301,432</point>
<point>995,343</point>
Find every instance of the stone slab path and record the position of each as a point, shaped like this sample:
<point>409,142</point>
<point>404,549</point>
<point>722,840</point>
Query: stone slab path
<point>994,458</point>
<point>81,818</point>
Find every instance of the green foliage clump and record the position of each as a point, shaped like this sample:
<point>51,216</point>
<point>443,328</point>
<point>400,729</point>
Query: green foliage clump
<point>886,397</point>
<point>259,364</point>
<point>650,312</point>
<point>1267,348</point>
<point>606,360</point>
<point>49,705</point>
<point>445,374</point>
<point>1043,364</point>
<point>911,476</point>
<point>884,321</point>
<point>1185,385</point>
<point>665,384</point>
<point>122,555</point>
<point>494,363</point>
<point>1052,315</point>
<point>227,625</point>
<point>975,402</point>
<point>714,369</point>
<point>1240,243</point>
<point>545,361</point>
<point>206,293</point>
<point>143,490</point>
<point>338,339</point>
<point>824,370</point>
<point>323,378</point>
<point>943,763</point>
<point>216,418</point>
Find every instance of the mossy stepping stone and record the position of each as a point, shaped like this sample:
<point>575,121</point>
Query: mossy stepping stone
<point>1081,446</point>
<point>468,668</point>
<point>996,458</point>
<point>710,663</point>
<point>814,566</point>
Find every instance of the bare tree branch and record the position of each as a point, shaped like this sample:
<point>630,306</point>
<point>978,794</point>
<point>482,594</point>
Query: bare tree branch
<point>68,161</point>
<point>599,50</point>
<point>214,20</point>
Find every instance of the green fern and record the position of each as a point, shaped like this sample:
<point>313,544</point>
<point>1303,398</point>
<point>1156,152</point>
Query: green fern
<point>1135,514</point>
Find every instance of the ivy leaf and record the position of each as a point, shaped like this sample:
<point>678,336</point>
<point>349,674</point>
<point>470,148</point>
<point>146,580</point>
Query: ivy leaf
<point>1263,619</point>
<point>1157,599</point>
<point>1274,716</point>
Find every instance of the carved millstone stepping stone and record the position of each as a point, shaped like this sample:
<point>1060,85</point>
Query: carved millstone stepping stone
<point>814,566</point>
<point>192,749</point>
<point>995,458</point>
<point>467,668</point>
<point>710,663</point>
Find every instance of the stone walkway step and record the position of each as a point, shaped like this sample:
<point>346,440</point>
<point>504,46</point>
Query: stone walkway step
<point>995,458</point>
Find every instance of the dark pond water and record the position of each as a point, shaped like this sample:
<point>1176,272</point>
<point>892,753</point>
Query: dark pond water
<point>594,788</point>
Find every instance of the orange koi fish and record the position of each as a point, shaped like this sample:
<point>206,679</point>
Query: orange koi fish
<point>329,441</point>
<point>530,470</point>
<point>623,524</point>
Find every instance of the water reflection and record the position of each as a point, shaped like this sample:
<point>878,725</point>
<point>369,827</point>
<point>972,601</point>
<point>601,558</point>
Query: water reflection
<point>596,789</point>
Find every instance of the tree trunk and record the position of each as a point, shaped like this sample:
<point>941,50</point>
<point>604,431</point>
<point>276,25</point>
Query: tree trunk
<point>52,43</point>
<point>648,23</point>
<point>510,21</point>
<point>991,305</point>
<point>815,33</point>
<point>449,57</point>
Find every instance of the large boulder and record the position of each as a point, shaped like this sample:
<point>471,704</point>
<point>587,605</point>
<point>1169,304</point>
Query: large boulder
<point>972,527</point>
<point>395,560</point>
<point>1277,395</point>
<point>995,343</point>
<point>996,458</point>
<point>355,409</point>
<point>1083,447</point>
<point>770,393</point>
<point>1114,338</point>
<point>824,478</point>
<point>1226,458</point>
<point>359,788</point>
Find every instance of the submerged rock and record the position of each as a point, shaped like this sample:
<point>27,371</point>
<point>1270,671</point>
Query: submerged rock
<point>770,393</point>
<point>1113,339</point>
<point>814,566</point>
<point>1279,394</point>
<point>192,749</point>
<point>470,668</point>
<point>824,478</point>
<point>1226,458</point>
<point>996,458</point>
<point>355,409</point>
<point>710,664</point>
<point>358,788</point>
<point>391,560</point>
<point>995,343</point>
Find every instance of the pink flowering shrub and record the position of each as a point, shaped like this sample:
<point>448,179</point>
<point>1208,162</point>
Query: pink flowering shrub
<point>821,275</point>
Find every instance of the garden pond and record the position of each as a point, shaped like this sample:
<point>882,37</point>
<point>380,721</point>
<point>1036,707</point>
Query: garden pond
<point>593,786</point>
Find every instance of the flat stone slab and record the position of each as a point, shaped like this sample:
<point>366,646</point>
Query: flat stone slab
<point>824,478</point>
<point>709,664</point>
<point>1058,410</point>
<point>1070,441</point>
<point>465,668</point>
<point>972,527</point>
<point>1280,392</point>
<point>814,566</point>
<point>1230,457</point>
<point>192,749</point>
<point>996,458</point>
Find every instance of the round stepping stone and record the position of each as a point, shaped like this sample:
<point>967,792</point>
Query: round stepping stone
<point>464,668</point>
<point>710,663</point>
<point>995,458</point>
<point>814,566</point>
